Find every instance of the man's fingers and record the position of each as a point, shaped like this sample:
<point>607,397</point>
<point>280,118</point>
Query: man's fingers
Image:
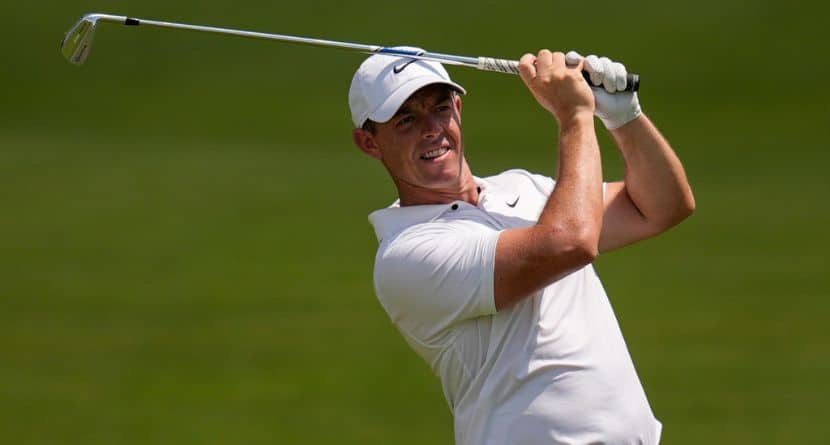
<point>544,60</point>
<point>606,73</point>
<point>594,67</point>
<point>558,59</point>
<point>620,76</point>
<point>558,87</point>
<point>608,82</point>
<point>572,59</point>
<point>527,69</point>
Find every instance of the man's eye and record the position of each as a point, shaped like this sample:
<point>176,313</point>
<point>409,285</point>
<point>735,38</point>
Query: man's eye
<point>405,120</point>
<point>443,108</point>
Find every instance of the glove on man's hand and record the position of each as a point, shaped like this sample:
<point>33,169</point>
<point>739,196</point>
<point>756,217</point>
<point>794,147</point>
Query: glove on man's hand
<point>615,107</point>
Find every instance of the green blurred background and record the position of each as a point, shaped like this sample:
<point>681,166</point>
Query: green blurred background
<point>185,256</point>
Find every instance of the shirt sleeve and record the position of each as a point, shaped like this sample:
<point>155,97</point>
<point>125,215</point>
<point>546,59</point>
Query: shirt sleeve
<point>435,275</point>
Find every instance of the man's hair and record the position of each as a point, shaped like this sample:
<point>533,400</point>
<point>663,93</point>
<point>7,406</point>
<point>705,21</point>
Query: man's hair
<point>371,126</point>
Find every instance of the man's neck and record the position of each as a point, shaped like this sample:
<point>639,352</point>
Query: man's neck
<point>467,191</point>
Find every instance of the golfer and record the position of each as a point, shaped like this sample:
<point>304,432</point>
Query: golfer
<point>489,279</point>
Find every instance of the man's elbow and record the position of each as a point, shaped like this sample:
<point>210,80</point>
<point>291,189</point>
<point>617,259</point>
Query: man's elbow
<point>683,208</point>
<point>686,206</point>
<point>689,205</point>
<point>577,247</point>
<point>585,247</point>
<point>583,254</point>
<point>548,253</point>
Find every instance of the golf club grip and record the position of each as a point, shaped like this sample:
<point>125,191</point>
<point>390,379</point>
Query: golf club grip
<point>512,67</point>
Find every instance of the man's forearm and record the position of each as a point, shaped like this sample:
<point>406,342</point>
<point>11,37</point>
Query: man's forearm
<point>575,206</point>
<point>654,176</point>
<point>566,235</point>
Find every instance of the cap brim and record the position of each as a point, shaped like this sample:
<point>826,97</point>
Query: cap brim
<point>389,107</point>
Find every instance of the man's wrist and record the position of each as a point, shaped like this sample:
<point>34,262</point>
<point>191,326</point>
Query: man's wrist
<point>618,109</point>
<point>581,119</point>
<point>629,126</point>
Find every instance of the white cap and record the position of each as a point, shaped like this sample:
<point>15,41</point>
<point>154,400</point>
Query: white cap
<point>383,83</point>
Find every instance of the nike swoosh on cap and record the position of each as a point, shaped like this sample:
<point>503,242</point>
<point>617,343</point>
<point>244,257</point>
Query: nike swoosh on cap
<point>398,68</point>
<point>513,204</point>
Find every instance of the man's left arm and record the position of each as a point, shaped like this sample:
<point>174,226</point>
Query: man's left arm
<point>655,194</point>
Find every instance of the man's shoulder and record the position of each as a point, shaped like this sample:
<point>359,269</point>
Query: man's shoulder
<point>441,230</point>
<point>392,220</point>
<point>518,180</point>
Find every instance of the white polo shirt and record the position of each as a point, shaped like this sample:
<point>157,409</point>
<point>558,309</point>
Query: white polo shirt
<point>552,369</point>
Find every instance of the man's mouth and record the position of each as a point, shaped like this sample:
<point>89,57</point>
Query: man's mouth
<point>435,154</point>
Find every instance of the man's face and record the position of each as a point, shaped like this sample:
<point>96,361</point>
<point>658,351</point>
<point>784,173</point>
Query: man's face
<point>421,146</point>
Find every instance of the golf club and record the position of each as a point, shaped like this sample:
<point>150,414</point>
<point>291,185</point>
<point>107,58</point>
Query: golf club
<point>77,44</point>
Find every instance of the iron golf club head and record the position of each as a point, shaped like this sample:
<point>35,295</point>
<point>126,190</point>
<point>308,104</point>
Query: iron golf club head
<point>77,42</point>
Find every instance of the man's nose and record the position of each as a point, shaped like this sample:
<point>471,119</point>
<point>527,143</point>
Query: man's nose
<point>432,127</point>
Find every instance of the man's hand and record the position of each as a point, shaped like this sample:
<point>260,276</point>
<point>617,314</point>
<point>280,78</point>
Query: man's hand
<point>559,88</point>
<point>614,106</point>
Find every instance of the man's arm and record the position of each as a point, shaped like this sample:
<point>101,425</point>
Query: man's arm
<point>655,194</point>
<point>566,236</point>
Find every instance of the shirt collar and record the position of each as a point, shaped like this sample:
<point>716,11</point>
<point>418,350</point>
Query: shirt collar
<point>393,219</point>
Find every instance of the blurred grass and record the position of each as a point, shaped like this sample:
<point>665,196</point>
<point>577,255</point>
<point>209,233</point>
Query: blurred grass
<point>185,252</point>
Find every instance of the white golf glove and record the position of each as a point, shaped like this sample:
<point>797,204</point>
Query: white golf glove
<point>615,107</point>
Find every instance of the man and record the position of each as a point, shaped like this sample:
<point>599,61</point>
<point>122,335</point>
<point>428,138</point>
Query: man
<point>490,279</point>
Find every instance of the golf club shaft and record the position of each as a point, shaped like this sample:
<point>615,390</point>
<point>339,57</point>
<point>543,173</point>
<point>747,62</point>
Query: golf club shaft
<point>481,63</point>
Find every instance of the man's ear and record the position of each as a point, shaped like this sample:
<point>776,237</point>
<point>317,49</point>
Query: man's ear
<point>457,100</point>
<point>365,141</point>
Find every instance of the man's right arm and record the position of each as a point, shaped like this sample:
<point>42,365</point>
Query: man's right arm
<point>566,236</point>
